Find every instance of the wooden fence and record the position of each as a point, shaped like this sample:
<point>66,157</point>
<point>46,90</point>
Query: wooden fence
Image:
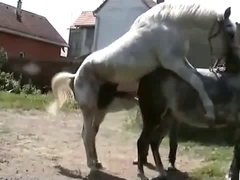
<point>40,72</point>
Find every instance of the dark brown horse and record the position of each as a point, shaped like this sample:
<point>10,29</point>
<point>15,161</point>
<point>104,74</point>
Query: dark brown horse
<point>165,99</point>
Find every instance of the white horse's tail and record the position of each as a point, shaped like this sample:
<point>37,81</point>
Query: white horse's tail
<point>62,91</point>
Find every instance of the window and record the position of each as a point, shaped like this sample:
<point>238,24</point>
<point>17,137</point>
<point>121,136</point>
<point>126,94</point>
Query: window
<point>21,54</point>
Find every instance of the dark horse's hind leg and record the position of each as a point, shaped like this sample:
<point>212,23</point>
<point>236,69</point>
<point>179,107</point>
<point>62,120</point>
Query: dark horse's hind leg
<point>154,130</point>
<point>142,148</point>
<point>173,144</point>
<point>156,139</point>
<point>233,173</point>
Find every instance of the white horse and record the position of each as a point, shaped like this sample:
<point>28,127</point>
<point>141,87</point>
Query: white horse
<point>157,38</point>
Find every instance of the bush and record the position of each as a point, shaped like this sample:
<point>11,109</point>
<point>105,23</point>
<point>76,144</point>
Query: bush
<point>3,56</point>
<point>134,119</point>
<point>10,84</point>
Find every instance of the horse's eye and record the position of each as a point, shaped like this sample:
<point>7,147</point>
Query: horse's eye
<point>232,35</point>
<point>229,25</point>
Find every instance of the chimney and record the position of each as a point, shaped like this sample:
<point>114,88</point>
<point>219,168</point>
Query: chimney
<point>19,10</point>
<point>159,1</point>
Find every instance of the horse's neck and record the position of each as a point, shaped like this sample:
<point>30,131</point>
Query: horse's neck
<point>233,52</point>
<point>232,60</point>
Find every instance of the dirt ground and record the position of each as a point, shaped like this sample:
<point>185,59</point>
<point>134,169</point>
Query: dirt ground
<point>34,145</point>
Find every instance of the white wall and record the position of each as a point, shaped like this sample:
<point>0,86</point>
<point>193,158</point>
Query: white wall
<point>114,19</point>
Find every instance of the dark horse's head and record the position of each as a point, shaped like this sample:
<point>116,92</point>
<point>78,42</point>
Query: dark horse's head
<point>227,29</point>
<point>224,27</point>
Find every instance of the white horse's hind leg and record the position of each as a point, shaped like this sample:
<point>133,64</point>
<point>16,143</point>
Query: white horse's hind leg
<point>86,88</point>
<point>99,117</point>
<point>182,69</point>
<point>92,119</point>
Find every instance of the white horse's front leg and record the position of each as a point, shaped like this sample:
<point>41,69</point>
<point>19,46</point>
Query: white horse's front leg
<point>188,74</point>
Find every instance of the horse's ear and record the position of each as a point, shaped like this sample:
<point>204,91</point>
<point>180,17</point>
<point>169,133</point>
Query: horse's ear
<point>227,13</point>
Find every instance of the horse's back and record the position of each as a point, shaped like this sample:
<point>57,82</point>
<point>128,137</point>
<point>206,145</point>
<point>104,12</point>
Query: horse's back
<point>176,11</point>
<point>129,56</point>
<point>191,20</point>
<point>164,88</point>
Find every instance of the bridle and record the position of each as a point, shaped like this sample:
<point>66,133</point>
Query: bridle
<point>211,35</point>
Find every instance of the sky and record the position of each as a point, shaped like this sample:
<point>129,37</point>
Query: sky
<point>62,13</point>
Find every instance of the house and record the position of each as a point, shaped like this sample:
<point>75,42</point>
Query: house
<point>29,35</point>
<point>95,30</point>
<point>81,35</point>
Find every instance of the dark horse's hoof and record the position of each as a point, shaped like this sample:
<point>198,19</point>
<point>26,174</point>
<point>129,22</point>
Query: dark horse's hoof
<point>171,168</point>
<point>160,178</point>
<point>96,166</point>
<point>135,162</point>
<point>99,165</point>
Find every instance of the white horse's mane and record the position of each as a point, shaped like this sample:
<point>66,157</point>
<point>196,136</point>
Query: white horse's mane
<point>175,11</point>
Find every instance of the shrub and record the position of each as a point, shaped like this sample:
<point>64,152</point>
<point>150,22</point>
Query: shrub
<point>30,89</point>
<point>10,84</point>
<point>134,119</point>
<point>3,56</point>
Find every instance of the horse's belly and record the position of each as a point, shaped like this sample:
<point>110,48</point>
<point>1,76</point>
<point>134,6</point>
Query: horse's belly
<point>195,117</point>
<point>128,87</point>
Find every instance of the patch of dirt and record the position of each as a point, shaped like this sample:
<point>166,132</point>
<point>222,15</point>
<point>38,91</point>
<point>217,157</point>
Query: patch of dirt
<point>34,145</point>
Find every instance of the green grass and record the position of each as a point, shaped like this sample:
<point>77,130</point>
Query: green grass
<point>28,102</point>
<point>216,160</point>
<point>213,171</point>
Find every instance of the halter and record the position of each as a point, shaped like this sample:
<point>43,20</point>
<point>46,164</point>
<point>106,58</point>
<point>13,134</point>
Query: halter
<point>212,35</point>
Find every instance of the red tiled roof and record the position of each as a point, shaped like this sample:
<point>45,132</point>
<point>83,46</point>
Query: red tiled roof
<point>31,26</point>
<point>85,19</point>
<point>149,3</point>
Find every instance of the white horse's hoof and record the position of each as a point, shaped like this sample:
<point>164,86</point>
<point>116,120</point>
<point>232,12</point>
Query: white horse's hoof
<point>210,120</point>
<point>210,116</point>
